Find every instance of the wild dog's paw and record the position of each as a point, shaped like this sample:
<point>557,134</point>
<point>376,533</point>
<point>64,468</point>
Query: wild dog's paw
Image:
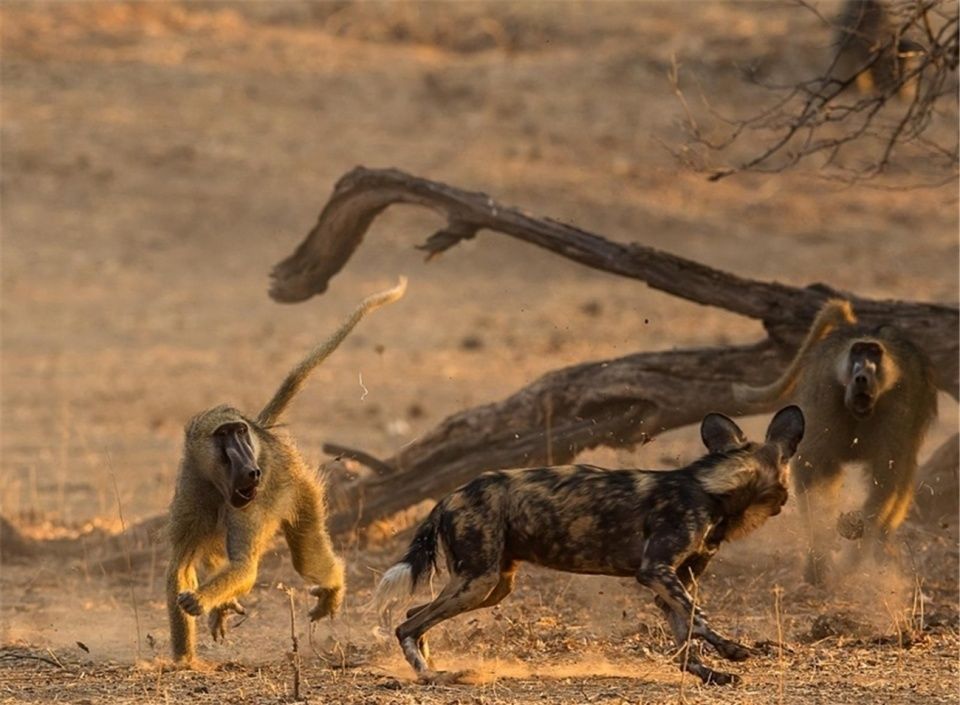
<point>464,677</point>
<point>732,651</point>
<point>329,600</point>
<point>190,603</point>
<point>218,618</point>
<point>711,677</point>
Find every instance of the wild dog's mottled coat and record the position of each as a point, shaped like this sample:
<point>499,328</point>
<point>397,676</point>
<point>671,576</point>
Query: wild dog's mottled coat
<point>660,527</point>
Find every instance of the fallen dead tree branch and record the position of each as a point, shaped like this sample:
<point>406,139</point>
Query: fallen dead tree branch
<point>616,403</point>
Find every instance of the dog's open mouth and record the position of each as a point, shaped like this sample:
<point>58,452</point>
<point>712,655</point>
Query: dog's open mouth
<point>242,496</point>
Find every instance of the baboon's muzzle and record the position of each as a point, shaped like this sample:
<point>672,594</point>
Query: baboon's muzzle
<point>244,472</point>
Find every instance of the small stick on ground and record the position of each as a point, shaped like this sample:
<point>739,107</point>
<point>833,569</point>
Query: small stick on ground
<point>686,647</point>
<point>916,616</point>
<point>17,655</point>
<point>295,652</point>
<point>777,596</point>
<point>127,553</point>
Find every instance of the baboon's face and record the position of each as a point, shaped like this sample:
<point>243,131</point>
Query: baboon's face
<point>235,443</point>
<point>863,377</point>
<point>223,446</point>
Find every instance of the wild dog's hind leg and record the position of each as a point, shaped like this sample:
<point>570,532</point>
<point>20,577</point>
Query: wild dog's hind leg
<point>503,588</point>
<point>312,550</point>
<point>422,641</point>
<point>460,595</point>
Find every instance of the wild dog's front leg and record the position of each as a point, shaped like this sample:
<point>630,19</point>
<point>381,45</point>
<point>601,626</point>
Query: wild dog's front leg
<point>312,550</point>
<point>663,580</point>
<point>687,657</point>
<point>246,536</point>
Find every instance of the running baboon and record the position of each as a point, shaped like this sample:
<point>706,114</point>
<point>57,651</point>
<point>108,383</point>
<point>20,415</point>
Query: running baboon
<point>869,397</point>
<point>869,49</point>
<point>660,527</point>
<point>240,480</point>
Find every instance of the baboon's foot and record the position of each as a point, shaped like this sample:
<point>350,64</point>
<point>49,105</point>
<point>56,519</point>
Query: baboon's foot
<point>329,600</point>
<point>190,663</point>
<point>190,603</point>
<point>851,525</point>
<point>218,618</point>
<point>465,677</point>
<point>732,651</point>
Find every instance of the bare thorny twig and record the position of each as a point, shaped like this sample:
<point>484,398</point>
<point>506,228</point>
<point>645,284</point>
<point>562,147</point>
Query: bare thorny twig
<point>823,115</point>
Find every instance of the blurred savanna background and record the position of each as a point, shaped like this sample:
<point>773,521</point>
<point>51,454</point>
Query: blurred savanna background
<point>159,157</point>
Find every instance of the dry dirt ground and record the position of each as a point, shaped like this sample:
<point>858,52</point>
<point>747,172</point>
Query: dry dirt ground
<point>157,158</point>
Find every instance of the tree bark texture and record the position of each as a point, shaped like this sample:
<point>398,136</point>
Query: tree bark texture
<point>617,403</point>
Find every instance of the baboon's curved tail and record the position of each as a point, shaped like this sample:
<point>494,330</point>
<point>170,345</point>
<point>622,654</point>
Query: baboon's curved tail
<point>294,381</point>
<point>835,313</point>
<point>417,565</point>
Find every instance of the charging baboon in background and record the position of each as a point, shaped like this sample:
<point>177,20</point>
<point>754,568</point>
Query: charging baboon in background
<point>869,48</point>
<point>660,527</point>
<point>869,397</point>
<point>240,480</point>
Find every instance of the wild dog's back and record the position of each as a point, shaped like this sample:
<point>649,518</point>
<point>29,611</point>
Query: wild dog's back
<point>656,526</point>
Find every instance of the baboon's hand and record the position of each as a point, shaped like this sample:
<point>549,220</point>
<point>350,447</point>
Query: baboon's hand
<point>190,603</point>
<point>328,601</point>
<point>218,618</point>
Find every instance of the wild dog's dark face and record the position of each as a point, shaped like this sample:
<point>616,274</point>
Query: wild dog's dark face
<point>226,449</point>
<point>752,481</point>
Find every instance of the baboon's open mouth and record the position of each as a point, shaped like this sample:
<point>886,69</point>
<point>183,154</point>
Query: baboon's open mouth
<point>242,496</point>
<point>862,405</point>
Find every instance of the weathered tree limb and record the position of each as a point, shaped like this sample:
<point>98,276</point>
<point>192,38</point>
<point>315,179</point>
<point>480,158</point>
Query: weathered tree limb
<point>616,403</point>
<point>938,491</point>
<point>786,311</point>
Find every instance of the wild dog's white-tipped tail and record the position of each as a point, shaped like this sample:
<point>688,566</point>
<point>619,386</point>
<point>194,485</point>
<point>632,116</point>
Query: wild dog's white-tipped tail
<point>395,587</point>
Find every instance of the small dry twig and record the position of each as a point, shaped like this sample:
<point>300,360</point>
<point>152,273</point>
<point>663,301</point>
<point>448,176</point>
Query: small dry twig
<point>777,597</point>
<point>129,558</point>
<point>295,650</point>
<point>822,116</point>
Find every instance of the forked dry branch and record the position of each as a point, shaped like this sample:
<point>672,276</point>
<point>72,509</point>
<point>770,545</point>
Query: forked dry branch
<point>616,403</point>
<point>903,59</point>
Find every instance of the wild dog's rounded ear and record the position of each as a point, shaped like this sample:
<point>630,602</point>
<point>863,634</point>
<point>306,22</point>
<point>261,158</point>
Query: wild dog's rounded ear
<point>720,433</point>
<point>786,429</point>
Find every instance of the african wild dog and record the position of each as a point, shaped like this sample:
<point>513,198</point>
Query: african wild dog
<point>661,527</point>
